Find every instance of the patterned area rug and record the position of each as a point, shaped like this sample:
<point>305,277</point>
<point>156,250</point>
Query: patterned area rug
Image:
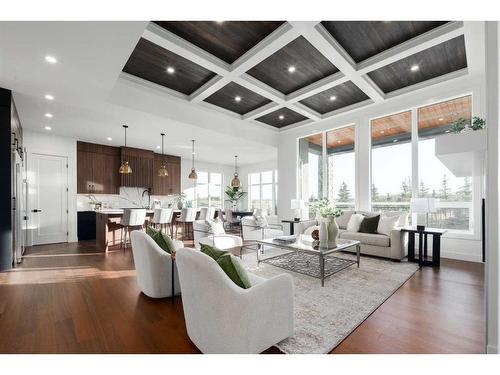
<point>325,316</point>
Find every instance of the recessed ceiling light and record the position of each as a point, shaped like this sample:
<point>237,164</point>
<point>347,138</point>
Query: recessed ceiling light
<point>109,139</point>
<point>447,131</point>
<point>170,70</point>
<point>441,119</point>
<point>50,59</point>
<point>47,128</point>
<point>219,22</point>
<point>382,131</point>
<point>291,69</point>
<point>414,68</point>
<point>49,115</point>
<point>281,117</point>
<point>395,140</point>
<point>49,97</point>
<point>333,97</point>
<point>237,98</point>
<point>339,141</point>
<point>158,147</point>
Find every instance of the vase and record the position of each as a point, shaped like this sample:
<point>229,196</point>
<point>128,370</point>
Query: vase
<point>333,231</point>
<point>179,205</point>
<point>323,234</point>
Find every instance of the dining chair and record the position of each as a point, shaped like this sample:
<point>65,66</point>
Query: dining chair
<point>162,218</point>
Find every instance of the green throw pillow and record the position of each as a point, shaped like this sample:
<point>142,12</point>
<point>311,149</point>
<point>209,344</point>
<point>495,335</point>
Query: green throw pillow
<point>212,252</point>
<point>233,268</point>
<point>161,239</point>
<point>369,224</point>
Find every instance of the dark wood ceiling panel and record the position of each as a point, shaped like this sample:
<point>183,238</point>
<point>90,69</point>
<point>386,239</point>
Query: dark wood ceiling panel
<point>281,117</point>
<point>150,62</point>
<point>310,66</point>
<point>227,96</point>
<point>337,97</point>
<point>364,39</point>
<point>227,40</point>
<point>441,59</point>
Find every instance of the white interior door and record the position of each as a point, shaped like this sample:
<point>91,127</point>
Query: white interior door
<point>49,199</point>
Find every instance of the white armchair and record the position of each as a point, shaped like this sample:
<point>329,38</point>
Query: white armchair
<point>203,235</point>
<point>154,266</point>
<point>222,318</point>
<point>252,232</point>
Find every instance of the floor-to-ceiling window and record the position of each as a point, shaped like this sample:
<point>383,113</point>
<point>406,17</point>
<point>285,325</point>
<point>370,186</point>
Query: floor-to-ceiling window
<point>209,189</point>
<point>391,187</point>
<point>262,191</point>
<point>451,189</point>
<point>341,166</point>
<point>311,167</point>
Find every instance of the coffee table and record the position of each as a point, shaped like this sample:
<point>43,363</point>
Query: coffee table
<point>306,256</point>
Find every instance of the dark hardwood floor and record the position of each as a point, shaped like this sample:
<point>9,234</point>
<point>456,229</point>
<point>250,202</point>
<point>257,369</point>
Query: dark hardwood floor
<point>68,299</point>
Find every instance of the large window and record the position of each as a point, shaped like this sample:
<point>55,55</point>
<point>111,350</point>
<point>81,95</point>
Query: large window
<point>341,166</point>
<point>311,167</point>
<point>453,192</point>
<point>391,187</point>
<point>209,189</point>
<point>262,191</point>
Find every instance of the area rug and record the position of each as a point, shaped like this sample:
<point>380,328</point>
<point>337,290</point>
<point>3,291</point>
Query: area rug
<point>324,316</point>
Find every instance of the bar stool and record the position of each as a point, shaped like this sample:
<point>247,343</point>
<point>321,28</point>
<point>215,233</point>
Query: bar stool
<point>162,217</point>
<point>188,215</point>
<point>203,213</point>
<point>132,218</point>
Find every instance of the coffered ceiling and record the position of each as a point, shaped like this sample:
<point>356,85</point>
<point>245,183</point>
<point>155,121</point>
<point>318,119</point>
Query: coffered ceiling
<point>280,74</point>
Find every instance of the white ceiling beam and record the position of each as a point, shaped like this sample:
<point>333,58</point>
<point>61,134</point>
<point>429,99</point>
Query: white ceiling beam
<point>419,43</point>
<point>316,87</point>
<point>329,47</point>
<point>304,111</point>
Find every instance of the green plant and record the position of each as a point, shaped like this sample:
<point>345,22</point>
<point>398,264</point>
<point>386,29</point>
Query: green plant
<point>478,123</point>
<point>180,198</point>
<point>234,195</point>
<point>458,126</point>
<point>324,208</point>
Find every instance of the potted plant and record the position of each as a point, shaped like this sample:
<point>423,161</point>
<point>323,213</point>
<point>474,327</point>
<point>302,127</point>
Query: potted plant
<point>326,212</point>
<point>460,125</point>
<point>234,196</point>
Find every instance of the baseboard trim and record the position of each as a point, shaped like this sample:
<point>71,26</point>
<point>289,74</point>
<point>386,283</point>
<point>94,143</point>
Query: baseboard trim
<point>460,256</point>
<point>490,349</point>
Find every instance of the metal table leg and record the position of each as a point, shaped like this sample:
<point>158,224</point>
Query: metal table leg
<point>358,253</point>
<point>322,268</point>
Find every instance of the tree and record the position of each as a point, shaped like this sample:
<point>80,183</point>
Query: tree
<point>434,194</point>
<point>465,191</point>
<point>405,189</point>
<point>423,190</point>
<point>445,189</point>
<point>344,194</point>
<point>388,197</point>
<point>375,196</point>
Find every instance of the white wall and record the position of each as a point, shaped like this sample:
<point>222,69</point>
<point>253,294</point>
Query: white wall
<point>459,247</point>
<point>48,144</point>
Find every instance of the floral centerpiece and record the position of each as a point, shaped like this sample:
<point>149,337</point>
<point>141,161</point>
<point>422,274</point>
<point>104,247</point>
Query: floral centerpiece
<point>326,212</point>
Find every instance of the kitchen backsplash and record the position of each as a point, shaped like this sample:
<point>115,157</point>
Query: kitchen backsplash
<point>129,198</point>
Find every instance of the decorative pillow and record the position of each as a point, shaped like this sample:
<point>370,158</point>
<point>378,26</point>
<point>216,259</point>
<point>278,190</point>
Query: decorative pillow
<point>212,252</point>
<point>354,222</point>
<point>261,221</point>
<point>387,223</point>
<point>369,224</point>
<point>343,219</point>
<point>234,270</point>
<point>216,226</point>
<point>163,240</point>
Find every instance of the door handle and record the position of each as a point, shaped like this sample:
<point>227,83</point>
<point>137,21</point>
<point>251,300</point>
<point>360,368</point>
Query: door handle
<point>36,210</point>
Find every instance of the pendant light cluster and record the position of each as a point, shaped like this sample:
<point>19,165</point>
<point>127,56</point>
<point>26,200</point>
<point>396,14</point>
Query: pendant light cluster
<point>162,172</point>
<point>125,167</point>
<point>192,174</point>
<point>235,183</point>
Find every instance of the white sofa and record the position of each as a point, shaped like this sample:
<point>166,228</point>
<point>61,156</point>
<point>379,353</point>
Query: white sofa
<point>223,318</point>
<point>154,266</point>
<point>381,245</point>
<point>252,232</point>
<point>223,241</point>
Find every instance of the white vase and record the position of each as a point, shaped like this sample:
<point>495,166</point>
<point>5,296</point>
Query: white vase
<point>323,233</point>
<point>333,231</point>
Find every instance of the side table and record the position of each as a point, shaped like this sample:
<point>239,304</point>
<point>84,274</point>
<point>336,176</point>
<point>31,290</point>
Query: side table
<point>422,245</point>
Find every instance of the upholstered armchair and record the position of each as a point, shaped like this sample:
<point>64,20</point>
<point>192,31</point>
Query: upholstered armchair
<point>252,232</point>
<point>154,266</point>
<point>223,318</point>
<point>203,234</point>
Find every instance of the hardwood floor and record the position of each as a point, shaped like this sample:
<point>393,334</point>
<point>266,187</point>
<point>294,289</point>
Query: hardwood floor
<point>68,299</point>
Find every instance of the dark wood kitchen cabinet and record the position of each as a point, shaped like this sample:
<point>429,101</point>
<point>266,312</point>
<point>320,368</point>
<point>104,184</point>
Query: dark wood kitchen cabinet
<point>142,164</point>
<point>97,169</point>
<point>170,184</point>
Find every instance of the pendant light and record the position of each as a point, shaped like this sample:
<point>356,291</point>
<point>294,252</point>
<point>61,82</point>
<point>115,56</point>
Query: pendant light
<point>125,168</point>
<point>235,183</point>
<point>162,172</point>
<point>193,175</point>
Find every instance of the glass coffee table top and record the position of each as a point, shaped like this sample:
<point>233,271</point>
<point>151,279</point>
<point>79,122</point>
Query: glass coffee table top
<point>306,243</point>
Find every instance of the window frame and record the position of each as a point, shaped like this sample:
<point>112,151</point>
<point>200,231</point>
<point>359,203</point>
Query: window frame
<point>208,183</point>
<point>274,189</point>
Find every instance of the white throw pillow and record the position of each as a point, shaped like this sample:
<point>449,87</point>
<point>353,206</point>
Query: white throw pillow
<point>261,221</point>
<point>216,226</point>
<point>343,219</point>
<point>387,223</point>
<point>354,223</point>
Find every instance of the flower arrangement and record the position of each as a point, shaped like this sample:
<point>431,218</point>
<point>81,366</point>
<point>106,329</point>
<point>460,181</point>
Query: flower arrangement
<point>325,208</point>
